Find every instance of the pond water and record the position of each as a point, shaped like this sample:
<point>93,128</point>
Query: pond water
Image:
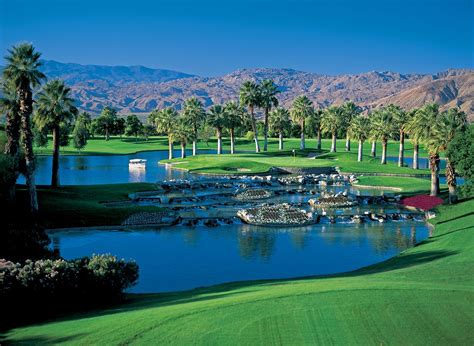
<point>179,257</point>
<point>423,162</point>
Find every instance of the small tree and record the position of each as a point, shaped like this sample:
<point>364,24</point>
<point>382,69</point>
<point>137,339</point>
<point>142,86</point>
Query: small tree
<point>234,117</point>
<point>80,134</point>
<point>104,124</point>
<point>358,130</point>
<point>217,119</point>
<point>349,111</point>
<point>194,116</point>
<point>301,110</point>
<point>279,122</point>
<point>460,155</point>
<point>133,126</point>
<point>383,128</point>
<point>166,121</point>
<point>330,123</point>
<point>183,134</point>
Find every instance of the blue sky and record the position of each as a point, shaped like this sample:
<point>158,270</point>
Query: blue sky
<point>216,37</point>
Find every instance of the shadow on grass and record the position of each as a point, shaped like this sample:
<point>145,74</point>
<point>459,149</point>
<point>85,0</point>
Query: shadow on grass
<point>44,339</point>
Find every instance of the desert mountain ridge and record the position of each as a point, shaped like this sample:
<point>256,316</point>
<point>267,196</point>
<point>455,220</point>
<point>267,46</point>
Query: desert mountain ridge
<point>138,89</point>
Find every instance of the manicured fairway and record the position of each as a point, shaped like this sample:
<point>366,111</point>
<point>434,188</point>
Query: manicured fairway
<point>424,296</point>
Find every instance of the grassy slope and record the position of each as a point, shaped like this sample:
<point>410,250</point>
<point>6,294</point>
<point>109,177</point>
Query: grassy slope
<point>261,163</point>
<point>127,145</point>
<point>423,296</point>
<point>405,184</point>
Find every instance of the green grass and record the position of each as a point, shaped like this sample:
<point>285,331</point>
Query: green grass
<point>405,184</point>
<point>423,296</point>
<point>262,162</point>
<point>129,145</point>
<point>78,206</point>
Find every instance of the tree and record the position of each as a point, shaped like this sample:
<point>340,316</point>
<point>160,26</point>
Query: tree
<point>133,126</point>
<point>401,119</point>
<point>383,128</point>
<point>279,122</point>
<point>183,134</point>
<point>217,119</point>
<point>22,70</point>
<point>148,130</point>
<point>80,133</point>
<point>314,123</point>
<point>349,111</point>
<point>194,116</point>
<point>459,154</point>
<point>118,128</point>
<point>450,123</point>
<point>250,96</point>
<point>166,121</point>
<point>55,110</point>
<point>233,118</point>
<point>269,100</point>
<point>105,124</point>
<point>301,109</point>
<point>330,123</point>
<point>358,130</point>
<point>422,128</point>
<point>410,128</point>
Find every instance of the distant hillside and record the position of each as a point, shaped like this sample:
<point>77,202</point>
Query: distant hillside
<point>137,89</point>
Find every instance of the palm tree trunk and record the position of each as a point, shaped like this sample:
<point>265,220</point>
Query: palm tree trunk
<point>434,167</point>
<point>319,139</point>
<point>170,147</point>
<point>302,144</point>
<point>219,141</point>
<point>416,149</point>
<point>12,129</point>
<point>183,150</point>
<point>106,134</point>
<point>232,141</point>
<point>55,168</point>
<point>255,131</point>
<point>26,102</point>
<point>451,181</point>
<point>384,151</point>
<point>359,153</point>
<point>333,144</point>
<point>348,142</point>
<point>401,151</point>
<point>373,151</point>
<point>265,131</point>
<point>195,142</point>
<point>280,140</point>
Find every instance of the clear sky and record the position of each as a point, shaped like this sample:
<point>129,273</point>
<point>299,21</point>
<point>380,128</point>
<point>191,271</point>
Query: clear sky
<point>216,37</point>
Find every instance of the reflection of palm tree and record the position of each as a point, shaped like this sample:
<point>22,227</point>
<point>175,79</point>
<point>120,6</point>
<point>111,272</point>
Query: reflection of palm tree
<point>299,239</point>
<point>261,242</point>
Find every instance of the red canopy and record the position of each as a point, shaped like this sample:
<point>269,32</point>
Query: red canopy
<point>424,202</point>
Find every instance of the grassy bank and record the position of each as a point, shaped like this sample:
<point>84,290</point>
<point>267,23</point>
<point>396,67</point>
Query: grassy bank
<point>423,296</point>
<point>262,162</point>
<point>129,145</point>
<point>403,184</point>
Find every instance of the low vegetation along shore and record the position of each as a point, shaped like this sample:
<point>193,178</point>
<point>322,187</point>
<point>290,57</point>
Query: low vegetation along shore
<point>422,296</point>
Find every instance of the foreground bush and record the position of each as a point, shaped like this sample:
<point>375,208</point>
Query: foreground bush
<point>37,288</point>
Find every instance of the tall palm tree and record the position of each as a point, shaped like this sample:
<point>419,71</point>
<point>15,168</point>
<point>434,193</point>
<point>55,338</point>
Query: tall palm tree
<point>54,109</point>
<point>183,134</point>
<point>330,122</point>
<point>349,111</point>
<point>383,128</point>
<point>166,121</point>
<point>250,96</point>
<point>234,115</point>
<point>401,119</point>
<point>450,123</point>
<point>268,91</point>
<point>423,128</point>
<point>217,119</point>
<point>194,116</point>
<point>279,122</point>
<point>410,128</point>
<point>10,108</point>
<point>316,121</point>
<point>301,109</point>
<point>22,69</point>
<point>359,129</point>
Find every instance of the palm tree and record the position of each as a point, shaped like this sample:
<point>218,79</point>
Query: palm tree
<point>166,121</point>
<point>217,119</point>
<point>316,122</point>
<point>183,134</point>
<point>234,115</point>
<point>10,108</point>
<point>301,109</point>
<point>22,69</point>
<point>279,122</point>
<point>401,119</point>
<point>422,128</point>
<point>410,128</point>
<point>383,128</point>
<point>349,111</point>
<point>268,100</point>
<point>359,130</point>
<point>194,116</point>
<point>450,123</point>
<point>54,109</point>
<point>330,122</point>
<point>250,96</point>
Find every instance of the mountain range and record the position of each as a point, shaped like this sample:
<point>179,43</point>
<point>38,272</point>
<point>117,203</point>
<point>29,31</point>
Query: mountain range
<point>137,89</point>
